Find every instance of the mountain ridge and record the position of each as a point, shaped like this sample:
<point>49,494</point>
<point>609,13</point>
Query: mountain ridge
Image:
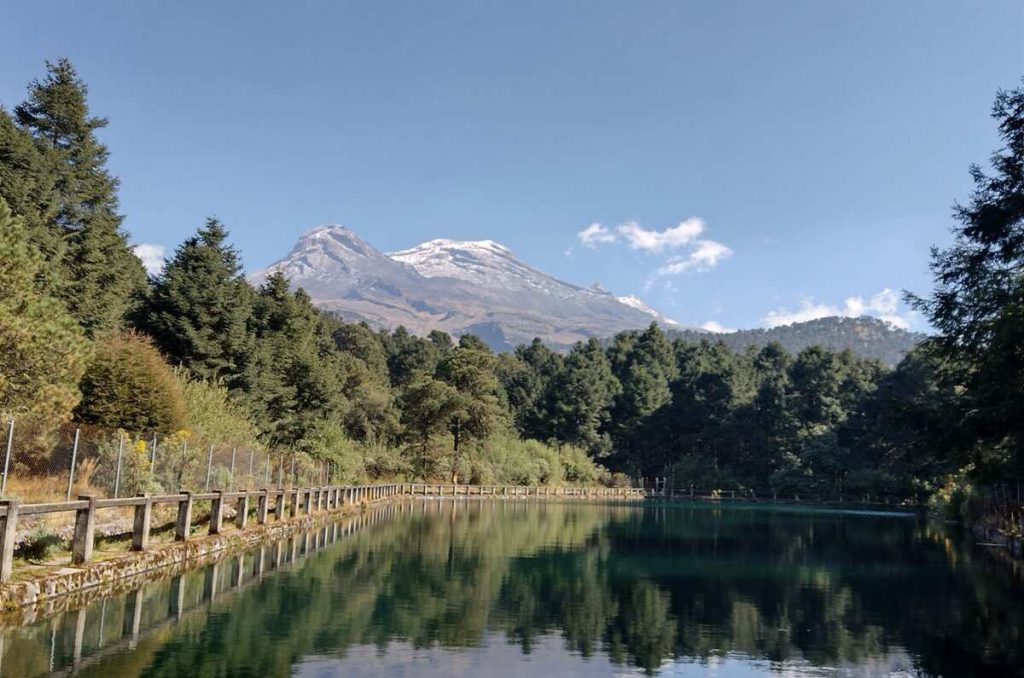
<point>481,287</point>
<point>455,286</point>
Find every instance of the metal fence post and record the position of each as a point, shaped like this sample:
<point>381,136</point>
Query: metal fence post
<point>231,485</point>
<point>252,457</point>
<point>7,457</point>
<point>266,471</point>
<point>74,456</point>
<point>209,468</point>
<point>293,469</point>
<point>152,456</point>
<point>120,451</point>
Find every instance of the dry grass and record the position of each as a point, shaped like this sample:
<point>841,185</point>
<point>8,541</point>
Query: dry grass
<point>40,489</point>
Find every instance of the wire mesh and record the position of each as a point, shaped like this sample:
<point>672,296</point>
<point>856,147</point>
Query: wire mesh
<point>53,464</point>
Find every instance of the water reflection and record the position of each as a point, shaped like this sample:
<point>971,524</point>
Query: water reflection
<point>447,588</point>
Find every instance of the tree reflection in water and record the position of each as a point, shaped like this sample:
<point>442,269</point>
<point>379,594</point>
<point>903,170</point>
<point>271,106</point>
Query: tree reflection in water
<point>639,586</point>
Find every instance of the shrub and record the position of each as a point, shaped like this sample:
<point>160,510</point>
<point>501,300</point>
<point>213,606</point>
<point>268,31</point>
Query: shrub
<point>213,417</point>
<point>136,467</point>
<point>129,386</point>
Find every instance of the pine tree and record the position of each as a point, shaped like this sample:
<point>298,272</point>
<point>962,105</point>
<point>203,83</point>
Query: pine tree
<point>475,411</point>
<point>580,398</point>
<point>44,351</point>
<point>28,184</point>
<point>978,301</point>
<point>297,367</point>
<point>198,311</point>
<point>645,367</point>
<point>104,278</point>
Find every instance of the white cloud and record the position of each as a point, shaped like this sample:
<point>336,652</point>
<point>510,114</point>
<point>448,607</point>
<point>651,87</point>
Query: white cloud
<point>884,305</point>
<point>654,242</point>
<point>718,328</point>
<point>680,248</point>
<point>703,257</point>
<point>152,257</point>
<point>595,234</point>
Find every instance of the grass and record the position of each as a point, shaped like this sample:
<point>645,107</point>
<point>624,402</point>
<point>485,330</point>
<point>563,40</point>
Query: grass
<point>43,489</point>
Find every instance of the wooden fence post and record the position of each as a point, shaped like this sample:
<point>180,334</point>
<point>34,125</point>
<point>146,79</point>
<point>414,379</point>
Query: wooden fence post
<point>279,507</point>
<point>183,525</point>
<point>261,507</point>
<point>85,530</point>
<point>8,532</point>
<point>140,526</point>
<point>217,512</point>
<point>242,511</point>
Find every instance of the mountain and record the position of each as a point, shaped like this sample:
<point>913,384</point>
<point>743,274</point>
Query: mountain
<point>640,305</point>
<point>459,287</point>
<point>865,336</point>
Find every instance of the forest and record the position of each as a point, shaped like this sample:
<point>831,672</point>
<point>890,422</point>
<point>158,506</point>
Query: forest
<point>86,336</point>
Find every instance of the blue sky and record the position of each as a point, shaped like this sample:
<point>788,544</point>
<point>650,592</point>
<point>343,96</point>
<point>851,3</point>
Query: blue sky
<point>804,154</point>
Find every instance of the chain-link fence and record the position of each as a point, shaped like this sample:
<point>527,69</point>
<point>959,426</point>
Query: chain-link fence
<point>44,465</point>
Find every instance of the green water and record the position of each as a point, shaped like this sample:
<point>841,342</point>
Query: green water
<point>501,588</point>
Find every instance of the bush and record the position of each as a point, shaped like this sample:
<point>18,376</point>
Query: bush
<point>136,467</point>
<point>213,417</point>
<point>129,386</point>
<point>40,545</point>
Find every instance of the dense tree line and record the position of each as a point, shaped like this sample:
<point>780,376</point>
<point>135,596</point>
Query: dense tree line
<point>85,333</point>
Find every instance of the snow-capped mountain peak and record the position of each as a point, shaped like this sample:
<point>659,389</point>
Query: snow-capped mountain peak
<point>481,262</point>
<point>639,304</point>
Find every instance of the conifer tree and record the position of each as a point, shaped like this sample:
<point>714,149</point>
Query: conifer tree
<point>978,301</point>
<point>44,351</point>
<point>198,311</point>
<point>28,184</point>
<point>581,396</point>
<point>103,277</point>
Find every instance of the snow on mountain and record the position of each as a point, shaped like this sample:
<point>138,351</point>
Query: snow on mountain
<point>485,263</point>
<point>639,304</point>
<point>454,286</point>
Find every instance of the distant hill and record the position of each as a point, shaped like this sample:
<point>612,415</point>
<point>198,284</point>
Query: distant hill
<point>866,337</point>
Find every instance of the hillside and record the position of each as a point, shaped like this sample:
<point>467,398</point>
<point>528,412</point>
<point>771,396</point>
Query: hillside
<point>865,336</point>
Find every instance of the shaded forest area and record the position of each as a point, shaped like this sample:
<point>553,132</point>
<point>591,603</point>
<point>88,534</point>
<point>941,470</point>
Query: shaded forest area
<point>86,335</point>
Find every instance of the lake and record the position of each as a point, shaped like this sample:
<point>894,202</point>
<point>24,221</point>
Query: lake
<point>527,588</point>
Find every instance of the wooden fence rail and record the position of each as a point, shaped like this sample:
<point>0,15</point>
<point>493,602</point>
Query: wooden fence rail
<point>278,502</point>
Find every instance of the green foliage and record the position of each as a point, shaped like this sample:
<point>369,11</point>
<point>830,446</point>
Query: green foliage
<point>102,276</point>
<point>327,441</point>
<point>136,470</point>
<point>213,416</point>
<point>580,397</point>
<point>129,386</point>
<point>44,351</point>
<point>978,302</point>
<point>28,184</point>
<point>198,311</point>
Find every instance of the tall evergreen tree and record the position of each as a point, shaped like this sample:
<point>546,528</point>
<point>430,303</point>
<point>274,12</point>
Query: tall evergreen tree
<point>580,399</point>
<point>978,301</point>
<point>104,278</point>
<point>475,414</point>
<point>645,370</point>
<point>198,311</point>
<point>28,184</point>
<point>44,352</point>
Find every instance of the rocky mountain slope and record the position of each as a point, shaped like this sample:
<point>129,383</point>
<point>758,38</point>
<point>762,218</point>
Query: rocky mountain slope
<point>458,287</point>
<point>483,288</point>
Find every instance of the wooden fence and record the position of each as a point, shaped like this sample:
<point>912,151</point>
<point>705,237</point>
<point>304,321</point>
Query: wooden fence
<point>277,502</point>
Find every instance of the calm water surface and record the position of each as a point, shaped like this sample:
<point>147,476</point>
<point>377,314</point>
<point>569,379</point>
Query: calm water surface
<point>442,588</point>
